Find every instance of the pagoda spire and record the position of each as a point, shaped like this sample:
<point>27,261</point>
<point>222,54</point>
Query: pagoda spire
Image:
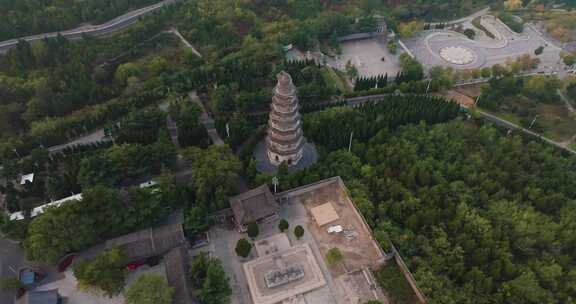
<point>285,139</point>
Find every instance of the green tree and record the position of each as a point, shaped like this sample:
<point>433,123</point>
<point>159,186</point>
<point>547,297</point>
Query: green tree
<point>470,33</point>
<point>298,231</point>
<point>539,50</point>
<point>283,225</point>
<point>149,289</point>
<point>569,59</point>
<point>334,256</point>
<point>411,68</point>
<point>243,248</point>
<point>409,29</point>
<point>214,175</point>
<point>571,90</point>
<point>196,220</point>
<point>216,288</point>
<point>105,272</point>
<point>126,71</point>
<point>253,230</point>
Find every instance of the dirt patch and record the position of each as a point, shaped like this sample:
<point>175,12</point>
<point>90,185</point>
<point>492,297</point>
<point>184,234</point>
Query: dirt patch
<point>358,248</point>
<point>458,97</point>
<point>556,121</point>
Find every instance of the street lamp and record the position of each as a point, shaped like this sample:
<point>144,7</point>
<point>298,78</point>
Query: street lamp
<point>350,144</point>
<point>477,99</point>
<point>533,121</point>
<point>275,183</point>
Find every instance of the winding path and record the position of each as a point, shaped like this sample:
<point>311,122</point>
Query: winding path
<point>109,27</point>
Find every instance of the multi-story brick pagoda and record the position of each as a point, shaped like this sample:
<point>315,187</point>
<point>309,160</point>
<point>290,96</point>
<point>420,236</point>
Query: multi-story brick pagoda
<point>285,141</point>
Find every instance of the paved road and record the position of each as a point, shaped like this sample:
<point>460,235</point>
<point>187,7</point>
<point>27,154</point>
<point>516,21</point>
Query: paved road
<point>469,18</point>
<point>11,258</point>
<point>111,26</point>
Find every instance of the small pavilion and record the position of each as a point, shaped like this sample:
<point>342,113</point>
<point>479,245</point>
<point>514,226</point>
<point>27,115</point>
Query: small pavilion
<point>257,205</point>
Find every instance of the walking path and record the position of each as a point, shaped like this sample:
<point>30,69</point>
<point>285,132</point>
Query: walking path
<point>186,42</point>
<point>207,120</point>
<point>566,101</point>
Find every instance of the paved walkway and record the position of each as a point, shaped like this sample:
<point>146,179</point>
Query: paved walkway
<point>567,102</point>
<point>186,42</point>
<point>207,120</point>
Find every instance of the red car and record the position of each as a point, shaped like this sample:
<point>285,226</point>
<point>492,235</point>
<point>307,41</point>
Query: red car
<point>135,265</point>
<point>65,262</point>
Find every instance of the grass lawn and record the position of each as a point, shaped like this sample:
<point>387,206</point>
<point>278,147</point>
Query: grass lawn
<point>395,285</point>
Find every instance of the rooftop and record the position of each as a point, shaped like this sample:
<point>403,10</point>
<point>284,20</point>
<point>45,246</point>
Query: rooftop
<point>150,242</point>
<point>177,273</point>
<point>41,297</point>
<point>253,205</point>
<point>284,274</point>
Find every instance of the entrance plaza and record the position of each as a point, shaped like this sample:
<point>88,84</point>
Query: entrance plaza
<point>452,49</point>
<point>370,56</point>
<point>284,269</point>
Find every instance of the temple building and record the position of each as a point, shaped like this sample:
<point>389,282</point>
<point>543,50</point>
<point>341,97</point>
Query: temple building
<point>285,141</point>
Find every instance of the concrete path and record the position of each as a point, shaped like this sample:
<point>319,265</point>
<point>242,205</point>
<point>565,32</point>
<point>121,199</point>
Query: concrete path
<point>94,137</point>
<point>186,42</point>
<point>567,102</point>
<point>206,120</point>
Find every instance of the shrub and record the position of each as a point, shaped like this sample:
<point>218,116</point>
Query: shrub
<point>470,33</point>
<point>283,225</point>
<point>539,50</point>
<point>253,230</point>
<point>243,248</point>
<point>298,231</point>
<point>334,256</point>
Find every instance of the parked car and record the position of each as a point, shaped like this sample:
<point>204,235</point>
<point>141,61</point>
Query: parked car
<point>66,261</point>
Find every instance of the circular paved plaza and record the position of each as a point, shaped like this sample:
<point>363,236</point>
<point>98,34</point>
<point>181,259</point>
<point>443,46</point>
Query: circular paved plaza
<point>458,55</point>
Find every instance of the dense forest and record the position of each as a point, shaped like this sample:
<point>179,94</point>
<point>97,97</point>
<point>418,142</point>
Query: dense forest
<point>23,18</point>
<point>479,216</point>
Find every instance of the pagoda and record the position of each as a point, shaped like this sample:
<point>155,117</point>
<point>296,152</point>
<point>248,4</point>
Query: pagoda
<point>285,141</point>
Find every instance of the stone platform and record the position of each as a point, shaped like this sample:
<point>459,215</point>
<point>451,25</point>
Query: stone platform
<point>263,164</point>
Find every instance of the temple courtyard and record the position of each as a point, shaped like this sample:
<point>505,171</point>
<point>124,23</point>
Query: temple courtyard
<point>284,269</point>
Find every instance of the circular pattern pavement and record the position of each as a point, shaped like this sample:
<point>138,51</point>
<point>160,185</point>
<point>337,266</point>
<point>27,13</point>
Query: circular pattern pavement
<point>458,55</point>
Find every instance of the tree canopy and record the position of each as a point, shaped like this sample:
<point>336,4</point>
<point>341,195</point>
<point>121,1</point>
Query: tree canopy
<point>149,289</point>
<point>104,273</point>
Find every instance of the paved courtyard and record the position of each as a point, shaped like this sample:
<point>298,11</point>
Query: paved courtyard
<point>366,55</point>
<point>451,49</point>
